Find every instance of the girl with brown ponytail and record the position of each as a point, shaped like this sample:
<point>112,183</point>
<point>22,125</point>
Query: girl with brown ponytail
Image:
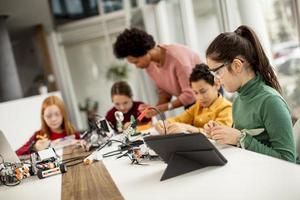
<point>262,121</point>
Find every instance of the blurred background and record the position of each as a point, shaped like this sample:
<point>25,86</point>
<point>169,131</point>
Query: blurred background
<point>65,46</point>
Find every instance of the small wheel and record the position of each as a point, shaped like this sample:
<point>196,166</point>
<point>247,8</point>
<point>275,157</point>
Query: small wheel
<point>40,174</point>
<point>63,168</point>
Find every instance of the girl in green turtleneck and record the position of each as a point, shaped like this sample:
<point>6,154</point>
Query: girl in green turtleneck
<point>262,121</point>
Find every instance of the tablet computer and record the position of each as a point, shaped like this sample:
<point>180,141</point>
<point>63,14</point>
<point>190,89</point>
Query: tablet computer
<point>185,152</point>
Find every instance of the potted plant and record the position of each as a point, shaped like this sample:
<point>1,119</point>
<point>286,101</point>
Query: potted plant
<point>41,83</point>
<point>117,72</point>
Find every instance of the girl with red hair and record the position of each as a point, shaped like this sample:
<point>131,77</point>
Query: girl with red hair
<point>55,125</point>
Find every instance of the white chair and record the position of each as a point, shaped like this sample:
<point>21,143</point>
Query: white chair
<point>296,130</point>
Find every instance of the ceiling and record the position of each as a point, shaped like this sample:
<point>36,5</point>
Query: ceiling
<point>23,14</point>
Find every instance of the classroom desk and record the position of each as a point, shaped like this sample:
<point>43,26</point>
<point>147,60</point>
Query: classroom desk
<point>87,181</point>
<point>247,175</point>
<point>80,182</point>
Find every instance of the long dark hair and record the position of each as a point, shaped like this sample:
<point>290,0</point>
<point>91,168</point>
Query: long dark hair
<point>243,42</point>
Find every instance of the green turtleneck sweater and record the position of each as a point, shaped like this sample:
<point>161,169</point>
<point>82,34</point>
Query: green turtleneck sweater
<point>263,114</point>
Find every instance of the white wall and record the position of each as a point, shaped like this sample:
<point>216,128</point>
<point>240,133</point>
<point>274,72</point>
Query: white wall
<point>206,37</point>
<point>63,78</point>
<point>19,119</point>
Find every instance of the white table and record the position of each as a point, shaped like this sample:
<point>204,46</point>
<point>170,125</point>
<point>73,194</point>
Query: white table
<point>247,175</point>
<point>34,188</point>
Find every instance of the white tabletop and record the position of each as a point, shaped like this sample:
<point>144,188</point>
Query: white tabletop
<point>247,175</point>
<point>34,188</point>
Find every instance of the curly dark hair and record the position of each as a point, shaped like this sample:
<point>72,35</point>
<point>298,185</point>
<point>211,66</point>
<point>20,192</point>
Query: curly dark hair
<point>201,72</point>
<point>133,42</point>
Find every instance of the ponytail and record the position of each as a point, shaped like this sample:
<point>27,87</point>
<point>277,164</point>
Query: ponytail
<point>243,42</point>
<point>262,66</point>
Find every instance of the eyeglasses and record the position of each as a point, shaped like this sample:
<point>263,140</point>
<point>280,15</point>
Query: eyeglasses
<point>216,71</point>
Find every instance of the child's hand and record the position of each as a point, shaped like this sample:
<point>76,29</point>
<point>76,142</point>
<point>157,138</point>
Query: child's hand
<point>208,127</point>
<point>177,127</point>
<point>159,126</point>
<point>149,113</point>
<point>42,144</point>
<point>143,107</point>
<point>174,127</point>
<point>81,143</point>
<point>225,135</point>
<point>126,125</point>
<point>56,142</point>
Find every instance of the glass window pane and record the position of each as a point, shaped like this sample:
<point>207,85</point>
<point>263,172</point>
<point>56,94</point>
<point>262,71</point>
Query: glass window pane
<point>281,17</point>
<point>112,5</point>
<point>74,7</point>
<point>152,1</point>
<point>93,3</point>
<point>65,11</point>
<point>56,7</point>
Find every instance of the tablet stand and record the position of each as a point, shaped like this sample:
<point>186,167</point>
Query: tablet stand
<point>184,162</point>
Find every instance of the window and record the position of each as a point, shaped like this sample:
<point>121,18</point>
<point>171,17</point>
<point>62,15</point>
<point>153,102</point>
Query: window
<point>112,5</point>
<point>283,27</point>
<point>69,10</point>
